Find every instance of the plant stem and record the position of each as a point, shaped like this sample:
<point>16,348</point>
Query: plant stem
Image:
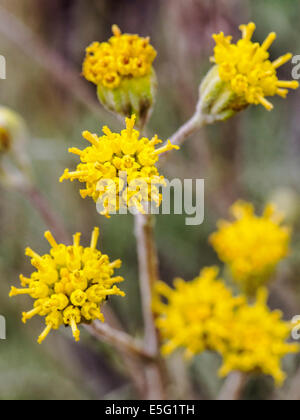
<point>233,387</point>
<point>148,275</point>
<point>187,130</point>
<point>120,340</point>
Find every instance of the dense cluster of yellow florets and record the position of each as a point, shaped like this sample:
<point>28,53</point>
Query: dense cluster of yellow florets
<point>70,284</point>
<point>123,56</point>
<point>257,340</point>
<point>247,68</point>
<point>119,169</point>
<point>195,313</point>
<point>252,246</point>
<point>204,315</point>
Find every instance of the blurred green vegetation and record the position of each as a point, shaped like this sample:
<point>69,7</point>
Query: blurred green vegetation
<point>254,156</point>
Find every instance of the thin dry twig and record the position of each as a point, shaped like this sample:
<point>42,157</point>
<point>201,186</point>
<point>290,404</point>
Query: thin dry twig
<point>120,340</point>
<point>148,275</point>
<point>187,130</point>
<point>233,387</point>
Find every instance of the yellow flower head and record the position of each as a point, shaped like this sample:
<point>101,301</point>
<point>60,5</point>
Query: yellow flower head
<point>124,56</point>
<point>119,169</point>
<point>69,284</point>
<point>257,340</point>
<point>247,68</point>
<point>5,139</point>
<point>252,246</point>
<point>195,315</point>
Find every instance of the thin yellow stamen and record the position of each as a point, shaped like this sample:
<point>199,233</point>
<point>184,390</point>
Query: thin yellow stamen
<point>92,138</point>
<point>16,292</point>
<point>30,314</point>
<point>95,237</point>
<point>248,30</point>
<point>269,41</point>
<point>75,330</point>
<point>116,30</point>
<point>117,279</point>
<point>167,148</point>
<point>116,264</point>
<point>282,60</point>
<point>50,239</point>
<point>24,280</point>
<point>76,239</point>
<point>266,103</point>
<point>75,151</point>
<point>30,253</point>
<point>112,291</point>
<point>282,92</point>
<point>45,334</point>
<point>267,74</point>
<point>76,174</point>
<point>290,84</point>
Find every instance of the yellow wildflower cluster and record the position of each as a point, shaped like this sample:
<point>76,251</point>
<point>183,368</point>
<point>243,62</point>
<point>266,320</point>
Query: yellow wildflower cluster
<point>123,56</point>
<point>247,68</point>
<point>69,285</point>
<point>204,315</point>
<point>119,169</point>
<point>252,246</point>
<point>195,314</point>
<point>257,340</point>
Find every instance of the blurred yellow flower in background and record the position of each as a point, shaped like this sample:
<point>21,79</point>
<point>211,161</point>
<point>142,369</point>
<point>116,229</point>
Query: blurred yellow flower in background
<point>246,66</point>
<point>251,246</point>
<point>70,284</point>
<point>126,165</point>
<point>194,315</point>
<point>204,315</point>
<point>257,340</point>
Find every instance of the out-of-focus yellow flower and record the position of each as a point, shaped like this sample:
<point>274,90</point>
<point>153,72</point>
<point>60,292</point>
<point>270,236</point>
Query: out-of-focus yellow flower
<point>124,56</point>
<point>243,75</point>
<point>252,246</point>
<point>257,340</point>
<point>119,169</point>
<point>246,66</point>
<point>196,313</point>
<point>204,315</point>
<point>70,284</point>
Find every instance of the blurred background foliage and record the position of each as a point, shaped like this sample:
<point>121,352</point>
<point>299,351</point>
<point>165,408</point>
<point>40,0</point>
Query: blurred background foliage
<point>254,156</point>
